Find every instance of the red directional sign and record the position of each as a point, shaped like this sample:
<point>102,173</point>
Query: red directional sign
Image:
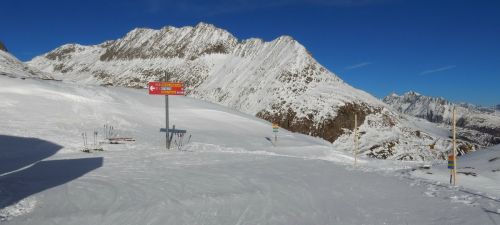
<point>166,88</point>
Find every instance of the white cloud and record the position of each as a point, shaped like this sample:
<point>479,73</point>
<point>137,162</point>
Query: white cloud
<point>441,69</point>
<point>359,65</point>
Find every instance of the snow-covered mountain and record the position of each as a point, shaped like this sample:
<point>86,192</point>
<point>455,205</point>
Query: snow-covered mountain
<point>12,67</point>
<point>480,125</point>
<point>278,81</point>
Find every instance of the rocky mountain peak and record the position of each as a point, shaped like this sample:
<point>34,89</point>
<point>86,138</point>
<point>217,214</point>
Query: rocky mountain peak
<point>412,93</point>
<point>205,26</point>
<point>413,97</point>
<point>170,42</point>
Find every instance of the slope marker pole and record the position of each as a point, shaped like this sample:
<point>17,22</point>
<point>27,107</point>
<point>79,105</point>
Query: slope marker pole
<point>167,79</point>
<point>355,139</point>
<point>454,149</point>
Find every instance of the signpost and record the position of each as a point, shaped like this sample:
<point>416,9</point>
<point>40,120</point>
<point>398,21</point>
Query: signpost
<point>356,139</point>
<point>166,88</point>
<point>275,130</point>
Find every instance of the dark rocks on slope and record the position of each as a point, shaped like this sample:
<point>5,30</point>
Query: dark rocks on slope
<point>2,47</point>
<point>330,129</point>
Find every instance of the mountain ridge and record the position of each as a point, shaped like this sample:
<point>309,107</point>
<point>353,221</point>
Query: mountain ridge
<point>278,81</point>
<point>439,110</point>
<point>12,67</point>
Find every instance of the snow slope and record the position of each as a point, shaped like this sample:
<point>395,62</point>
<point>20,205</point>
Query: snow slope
<point>481,167</point>
<point>229,173</point>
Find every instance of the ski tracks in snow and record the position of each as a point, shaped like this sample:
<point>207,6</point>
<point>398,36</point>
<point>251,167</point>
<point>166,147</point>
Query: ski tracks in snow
<point>456,194</point>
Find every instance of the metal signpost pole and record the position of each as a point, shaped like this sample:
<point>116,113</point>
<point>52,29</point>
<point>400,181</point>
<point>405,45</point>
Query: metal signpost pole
<point>167,88</point>
<point>355,139</point>
<point>167,79</point>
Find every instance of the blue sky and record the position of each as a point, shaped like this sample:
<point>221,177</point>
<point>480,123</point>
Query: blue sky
<point>448,48</point>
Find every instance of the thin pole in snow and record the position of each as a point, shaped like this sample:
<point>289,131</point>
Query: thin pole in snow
<point>83,137</point>
<point>167,79</point>
<point>355,139</point>
<point>454,149</point>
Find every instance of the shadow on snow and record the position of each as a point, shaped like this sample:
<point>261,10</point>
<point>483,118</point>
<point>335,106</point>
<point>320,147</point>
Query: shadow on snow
<point>18,182</point>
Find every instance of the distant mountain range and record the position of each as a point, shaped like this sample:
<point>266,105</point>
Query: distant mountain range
<point>438,110</point>
<point>278,81</point>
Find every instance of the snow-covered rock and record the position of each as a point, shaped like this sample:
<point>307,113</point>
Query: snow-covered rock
<point>479,125</point>
<point>278,81</point>
<point>12,67</point>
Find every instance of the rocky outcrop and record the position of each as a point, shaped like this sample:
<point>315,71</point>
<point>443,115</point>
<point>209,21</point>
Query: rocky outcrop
<point>2,47</point>
<point>329,129</point>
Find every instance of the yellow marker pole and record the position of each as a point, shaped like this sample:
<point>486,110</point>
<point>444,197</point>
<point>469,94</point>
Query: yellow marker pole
<point>276,135</point>
<point>454,149</point>
<point>355,139</point>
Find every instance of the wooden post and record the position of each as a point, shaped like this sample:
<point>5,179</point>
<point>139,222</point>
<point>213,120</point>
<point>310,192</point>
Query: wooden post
<point>454,149</point>
<point>355,139</point>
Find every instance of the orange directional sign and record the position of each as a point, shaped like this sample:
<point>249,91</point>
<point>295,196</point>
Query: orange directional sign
<point>166,88</point>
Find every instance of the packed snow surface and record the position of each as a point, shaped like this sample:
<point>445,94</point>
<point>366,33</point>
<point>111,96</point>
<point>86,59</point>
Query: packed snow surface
<point>231,172</point>
<point>479,170</point>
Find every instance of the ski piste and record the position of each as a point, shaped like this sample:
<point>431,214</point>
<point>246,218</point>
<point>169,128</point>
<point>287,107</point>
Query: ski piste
<point>228,172</point>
